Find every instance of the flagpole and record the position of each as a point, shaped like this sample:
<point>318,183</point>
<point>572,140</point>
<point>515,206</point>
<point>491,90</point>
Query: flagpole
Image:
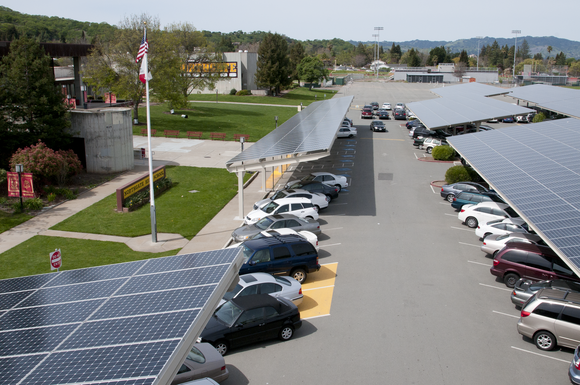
<point>151,185</point>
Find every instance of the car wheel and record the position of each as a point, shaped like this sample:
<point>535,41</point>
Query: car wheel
<point>317,208</point>
<point>299,275</point>
<point>286,333</point>
<point>545,340</point>
<point>309,217</point>
<point>329,198</point>
<point>510,279</point>
<point>471,222</point>
<point>338,187</point>
<point>450,197</point>
<point>222,347</point>
<point>429,149</point>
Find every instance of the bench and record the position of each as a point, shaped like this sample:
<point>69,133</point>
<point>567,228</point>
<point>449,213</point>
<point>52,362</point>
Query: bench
<point>217,136</point>
<point>144,132</point>
<point>174,133</point>
<point>194,134</point>
<point>238,136</point>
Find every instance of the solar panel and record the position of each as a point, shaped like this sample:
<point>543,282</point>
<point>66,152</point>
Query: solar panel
<point>562,100</point>
<point>536,169</point>
<point>130,323</point>
<point>473,88</point>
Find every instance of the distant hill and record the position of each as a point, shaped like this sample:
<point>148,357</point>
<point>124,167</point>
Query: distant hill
<point>537,44</point>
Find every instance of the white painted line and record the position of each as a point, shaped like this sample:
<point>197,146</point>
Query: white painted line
<point>496,287</point>
<point>442,203</point>
<point>451,215</point>
<point>334,228</point>
<point>479,263</point>
<point>316,316</point>
<point>499,312</point>
<point>461,228</point>
<point>316,288</point>
<point>338,204</point>
<point>331,244</point>
<point>416,157</point>
<point>432,189</point>
<point>469,244</point>
<point>541,355</point>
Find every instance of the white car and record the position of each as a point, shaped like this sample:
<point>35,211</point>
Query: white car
<point>338,181</point>
<point>494,243</point>
<point>386,106</point>
<point>320,201</point>
<point>500,227</point>
<point>430,143</point>
<point>484,212</point>
<point>307,235</point>
<point>301,207</point>
<point>347,122</point>
<point>264,283</point>
<point>346,132</point>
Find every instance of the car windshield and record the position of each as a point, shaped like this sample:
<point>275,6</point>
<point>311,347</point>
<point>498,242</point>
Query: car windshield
<point>196,356</point>
<point>231,294</point>
<point>278,195</point>
<point>264,223</point>
<point>504,236</point>
<point>270,207</point>
<point>228,313</point>
<point>308,178</point>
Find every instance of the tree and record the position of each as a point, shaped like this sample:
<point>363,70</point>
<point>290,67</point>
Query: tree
<point>538,56</point>
<point>31,106</point>
<point>525,50</point>
<point>561,59</point>
<point>575,69</point>
<point>273,63</point>
<point>296,55</point>
<point>226,45</point>
<point>459,70</point>
<point>396,53</point>
<point>437,55</point>
<point>549,49</point>
<point>411,57</point>
<point>463,58</point>
<point>311,69</point>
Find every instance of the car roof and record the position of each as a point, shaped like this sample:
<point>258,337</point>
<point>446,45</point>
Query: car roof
<point>321,173</point>
<point>271,241</point>
<point>255,277</point>
<point>292,200</point>
<point>248,302</point>
<point>493,204</point>
<point>283,216</point>
<point>525,246</point>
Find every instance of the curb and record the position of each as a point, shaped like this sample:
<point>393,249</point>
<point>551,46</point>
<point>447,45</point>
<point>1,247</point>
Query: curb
<point>438,183</point>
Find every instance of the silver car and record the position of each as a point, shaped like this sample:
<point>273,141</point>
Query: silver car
<point>524,288</point>
<point>276,221</point>
<point>264,283</point>
<point>203,360</point>
<point>495,242</point>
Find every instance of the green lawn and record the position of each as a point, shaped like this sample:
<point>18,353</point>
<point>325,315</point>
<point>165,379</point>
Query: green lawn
<point>31,257</point>
<point>293,98</point>
<point>177,210</point>
<point>8,221</point>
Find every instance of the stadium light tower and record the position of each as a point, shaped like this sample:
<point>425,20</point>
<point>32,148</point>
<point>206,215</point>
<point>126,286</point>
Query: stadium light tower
<point>378,29</point>
<point>375,36</point>
<point>516,31</point>
<point>478,51</point>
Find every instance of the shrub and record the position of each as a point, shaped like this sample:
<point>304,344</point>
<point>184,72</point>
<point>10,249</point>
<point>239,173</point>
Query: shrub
<point>69,195</point>
<point>3,200</point>
<point>51,197</point>
<point>233,91</point>
<point>46,164</point>
<point>2,176</point>
<point>539,118</point>
<point>473,175</point>
<point>243,92</point>
<point>457,174</point>
<point>34,204</point>
<point>443,153</point>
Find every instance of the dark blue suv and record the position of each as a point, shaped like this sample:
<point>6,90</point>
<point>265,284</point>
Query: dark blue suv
<point>281,254</point>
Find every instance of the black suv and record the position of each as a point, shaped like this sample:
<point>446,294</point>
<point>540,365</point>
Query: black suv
<point>280,254</point>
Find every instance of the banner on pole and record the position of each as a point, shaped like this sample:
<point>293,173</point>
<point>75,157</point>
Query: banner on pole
<point>27,186</point>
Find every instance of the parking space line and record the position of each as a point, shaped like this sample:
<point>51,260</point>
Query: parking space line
<point>506,314</point>
<point>319,292</point>
<point>495,287</point>
<point>316,316</point>
<point>541,355</point>
<point>331,244</point>
<point>451,215</point>
<point>469,244</point>
<point>461,228</point>
<point>317,288</point>
<point>338,204</point>
<point>479,263</point>
<point>334,228</point>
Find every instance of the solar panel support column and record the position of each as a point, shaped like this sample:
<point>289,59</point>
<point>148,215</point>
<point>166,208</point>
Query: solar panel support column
<point>241,194</point>
<point>263,172</point>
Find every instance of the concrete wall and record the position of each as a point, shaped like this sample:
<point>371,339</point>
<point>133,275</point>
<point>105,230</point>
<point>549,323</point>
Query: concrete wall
<point>247,67</point>
<point>449,77</point>
<point>108,136</point>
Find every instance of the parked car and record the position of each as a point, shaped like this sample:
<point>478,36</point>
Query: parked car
<point>347,122</point>
<point>301,207</point>
<point>502,226</point>
<point>203,360</point>
<point>522,119</point>
<point>401,106</point>
<point>430,143</point>
<point>346,132</point>
<point>399,114</point>
<point>413,123</point>
<point>287,254</point>
<point>495,242</point>
<point>450,191</point>
<point>524,289</point>
<point>386,106</point>
<point>468,197</point>
<point>425,132</point>
<point>249,319</point>
<point>484,212</point>
<point>338,181</point>
<point>509,119</point>
<point>367,112</point>
<point>276,222</point>
<point>551,318</point>
<point>375,105</point>
<point>574,369</point>
<point>383,114</point>
<point>318,187</point>
<point>529,261</point>
<point>377,125</point>
<point>320,201</point>
<point>264,283</point>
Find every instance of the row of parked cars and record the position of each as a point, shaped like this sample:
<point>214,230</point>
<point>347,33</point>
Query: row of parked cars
<point>545,289</point>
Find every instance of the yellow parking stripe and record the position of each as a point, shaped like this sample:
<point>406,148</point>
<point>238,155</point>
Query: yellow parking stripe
<point>318,291</point>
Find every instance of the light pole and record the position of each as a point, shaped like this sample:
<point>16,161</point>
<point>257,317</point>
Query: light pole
<point>378,29</point>
<point>516,31</point>
<point>375,35</point>
<point>478,51</point>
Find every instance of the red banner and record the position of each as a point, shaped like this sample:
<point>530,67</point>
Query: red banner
<point>27,186</point>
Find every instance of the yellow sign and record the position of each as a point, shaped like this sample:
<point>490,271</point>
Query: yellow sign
<point>143,183</point>
<point>227,69</point>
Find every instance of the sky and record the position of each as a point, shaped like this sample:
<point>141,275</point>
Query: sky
<point>344,19</point>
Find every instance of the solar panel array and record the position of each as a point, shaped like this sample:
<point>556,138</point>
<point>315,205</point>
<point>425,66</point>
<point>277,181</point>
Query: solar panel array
<point>314,129</point>
<point>536,168</point>
<point>130,323</point>
<point>562,100</point>
<point>470,89</point>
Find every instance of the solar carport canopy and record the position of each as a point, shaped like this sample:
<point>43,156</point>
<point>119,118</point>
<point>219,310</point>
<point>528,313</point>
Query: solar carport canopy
<point>536,168</point>
<point>470,89</point>
<point>561,100</point>
<point>129,323</point>
<point>462,106</point>
<point>310,132</point>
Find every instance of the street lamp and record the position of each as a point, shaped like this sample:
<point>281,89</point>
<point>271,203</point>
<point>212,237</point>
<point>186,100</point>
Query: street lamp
<point>516,31</point>
<point>375,36</point>
<point>478,51</point>
<point>378,29</point>
<point>276,117</point>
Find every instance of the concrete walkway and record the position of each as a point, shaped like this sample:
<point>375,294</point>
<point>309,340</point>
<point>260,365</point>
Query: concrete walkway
<point>167,151</point>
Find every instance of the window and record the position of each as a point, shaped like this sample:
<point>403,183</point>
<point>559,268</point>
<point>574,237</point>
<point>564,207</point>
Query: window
<point>269,287</point>
<point>283,209</point>
<point>292,223</point>
<point>571,314</point>
<point>279,224</point>
<point>249,290</point>
<point>183,369</point>
<point>253,315</point>
<point>307,205</point>
<point>550,310</point>
<point>270,312</point>
<point>499,212</point>
<point>261,256</point>
<point>281,252</point>
<point>196,356</point>
<point>539,261</point>
<point>560,268</point>
<point>296,206</point>
<point>303,249</point>
<point>510,227</point>
<point>515,256</point>
<point>485,210</point>
<point>477,198</point>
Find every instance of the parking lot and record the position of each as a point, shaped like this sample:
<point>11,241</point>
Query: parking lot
<point>405,295</point>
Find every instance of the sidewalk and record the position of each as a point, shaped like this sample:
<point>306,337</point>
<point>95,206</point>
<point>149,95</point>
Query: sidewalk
<point>167,151</point>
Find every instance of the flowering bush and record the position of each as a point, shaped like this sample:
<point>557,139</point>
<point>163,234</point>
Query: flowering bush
<point>46,164</point>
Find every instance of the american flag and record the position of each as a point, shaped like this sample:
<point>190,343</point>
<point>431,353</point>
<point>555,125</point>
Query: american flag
<point>143,48</point>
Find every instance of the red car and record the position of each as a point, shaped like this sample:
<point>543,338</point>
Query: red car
<point>367,112</point>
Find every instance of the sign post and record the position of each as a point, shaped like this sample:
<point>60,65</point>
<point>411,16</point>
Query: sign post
<point>55,260</point>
